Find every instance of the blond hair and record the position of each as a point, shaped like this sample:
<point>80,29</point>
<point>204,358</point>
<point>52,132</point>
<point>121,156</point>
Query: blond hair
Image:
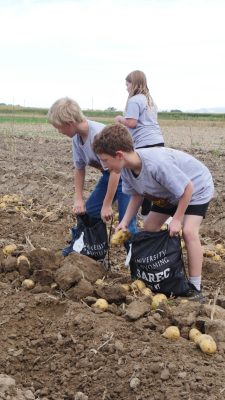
<point>111,139</point>
<point>63,111</point>
<point>139,85</point>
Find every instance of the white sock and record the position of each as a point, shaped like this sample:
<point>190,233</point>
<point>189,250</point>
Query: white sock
<point>196,281</point>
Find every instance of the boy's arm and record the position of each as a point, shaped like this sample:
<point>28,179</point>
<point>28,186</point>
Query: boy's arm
<point>107,211</point>
<point>175,224</point>
<point>79,203</point>
<point>132,209</point>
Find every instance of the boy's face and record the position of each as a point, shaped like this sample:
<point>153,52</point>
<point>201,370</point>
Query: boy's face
<point>112,163</point>
<point>68,129</point>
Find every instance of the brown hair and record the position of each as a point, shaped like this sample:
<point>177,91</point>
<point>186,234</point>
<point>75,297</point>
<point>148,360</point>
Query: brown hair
<point>111,139</point>
<point>139,85</point>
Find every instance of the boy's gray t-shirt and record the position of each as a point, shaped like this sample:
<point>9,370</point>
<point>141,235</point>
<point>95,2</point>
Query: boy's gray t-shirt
<point>165,174</point>
<point>83,153</point>
<point>147,131</point>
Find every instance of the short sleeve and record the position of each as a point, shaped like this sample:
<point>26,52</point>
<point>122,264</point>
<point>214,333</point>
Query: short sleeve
<point>78,161</point>
<point>132,110</point>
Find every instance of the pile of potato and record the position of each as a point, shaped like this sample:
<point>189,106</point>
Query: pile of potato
<point>8,199</point>
<point>13,201</point>
<point>205,342</point>
<point>28,207</point>
<point>215,253</point>
<point>138,286</point>
<point>8,250</point>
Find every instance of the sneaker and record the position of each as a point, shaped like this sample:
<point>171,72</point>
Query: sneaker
<point>194,294</point>
<point>67,250</point>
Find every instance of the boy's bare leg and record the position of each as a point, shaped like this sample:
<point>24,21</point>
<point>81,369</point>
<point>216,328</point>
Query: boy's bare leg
<point>153,221</point>
<point>193,245</point>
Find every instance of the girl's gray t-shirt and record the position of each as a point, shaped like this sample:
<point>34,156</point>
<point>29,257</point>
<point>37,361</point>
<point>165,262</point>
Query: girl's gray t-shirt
<point>164,175</point>
<point>147,131</point>
<point>83,153</point>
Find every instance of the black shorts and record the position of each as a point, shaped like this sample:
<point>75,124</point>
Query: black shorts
<point>150,145</point>
<point>197,209</point>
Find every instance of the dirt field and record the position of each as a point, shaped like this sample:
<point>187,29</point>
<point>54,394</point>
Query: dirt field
<point>53,343</point>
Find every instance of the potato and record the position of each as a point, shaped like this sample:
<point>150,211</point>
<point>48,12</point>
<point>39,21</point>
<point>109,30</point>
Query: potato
<point>54,286</point>
<point>10,198</point>
<point>157,299</point>
<point>116,216</point>
<point>100,282</point>
<point>219,246</point>
<point>120,237</point>
<point>219,249</point>
<point>172,332</point>
<point>126,287</point>
<point>147,292</point>
<point>138,284</point>
<point>182,244</point>
<point>9,249</point>
<point>217,257</point>
<point>21,259</point>
<point>208,253</point>
<point>206,344</point>
<point>184,301</point>
<point>194,334</point>
<point>102,304</point>
<point>28,284</point>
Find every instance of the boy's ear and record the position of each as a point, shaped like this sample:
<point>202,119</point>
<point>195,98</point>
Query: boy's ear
<point>120,154</point>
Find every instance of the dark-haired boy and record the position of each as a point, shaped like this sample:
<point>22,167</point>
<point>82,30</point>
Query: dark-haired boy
<point>178,184</point>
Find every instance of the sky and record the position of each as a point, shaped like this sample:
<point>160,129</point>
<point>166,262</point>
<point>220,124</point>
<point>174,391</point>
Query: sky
<point>84,49</point>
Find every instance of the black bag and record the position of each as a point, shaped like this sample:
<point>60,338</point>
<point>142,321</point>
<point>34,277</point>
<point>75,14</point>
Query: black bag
<point>89,237</point>
<point>156,258</point>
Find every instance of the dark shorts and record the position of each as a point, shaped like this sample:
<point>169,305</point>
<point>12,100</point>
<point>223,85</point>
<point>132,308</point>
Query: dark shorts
<point>150,145</point>
<point>198,209</point>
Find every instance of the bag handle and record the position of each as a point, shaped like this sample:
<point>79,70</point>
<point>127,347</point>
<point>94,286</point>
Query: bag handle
<point>108,266</point>
<point>182,258</point>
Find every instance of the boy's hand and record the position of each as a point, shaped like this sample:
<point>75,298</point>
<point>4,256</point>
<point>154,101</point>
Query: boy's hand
<point>174,227</point>
<point>106,213</point>
<point>120,237</point>
<point>79,207</point>
<point>122,226</point>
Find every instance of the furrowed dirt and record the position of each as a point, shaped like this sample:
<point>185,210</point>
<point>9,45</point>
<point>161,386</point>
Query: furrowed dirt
<point>54,345</point>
